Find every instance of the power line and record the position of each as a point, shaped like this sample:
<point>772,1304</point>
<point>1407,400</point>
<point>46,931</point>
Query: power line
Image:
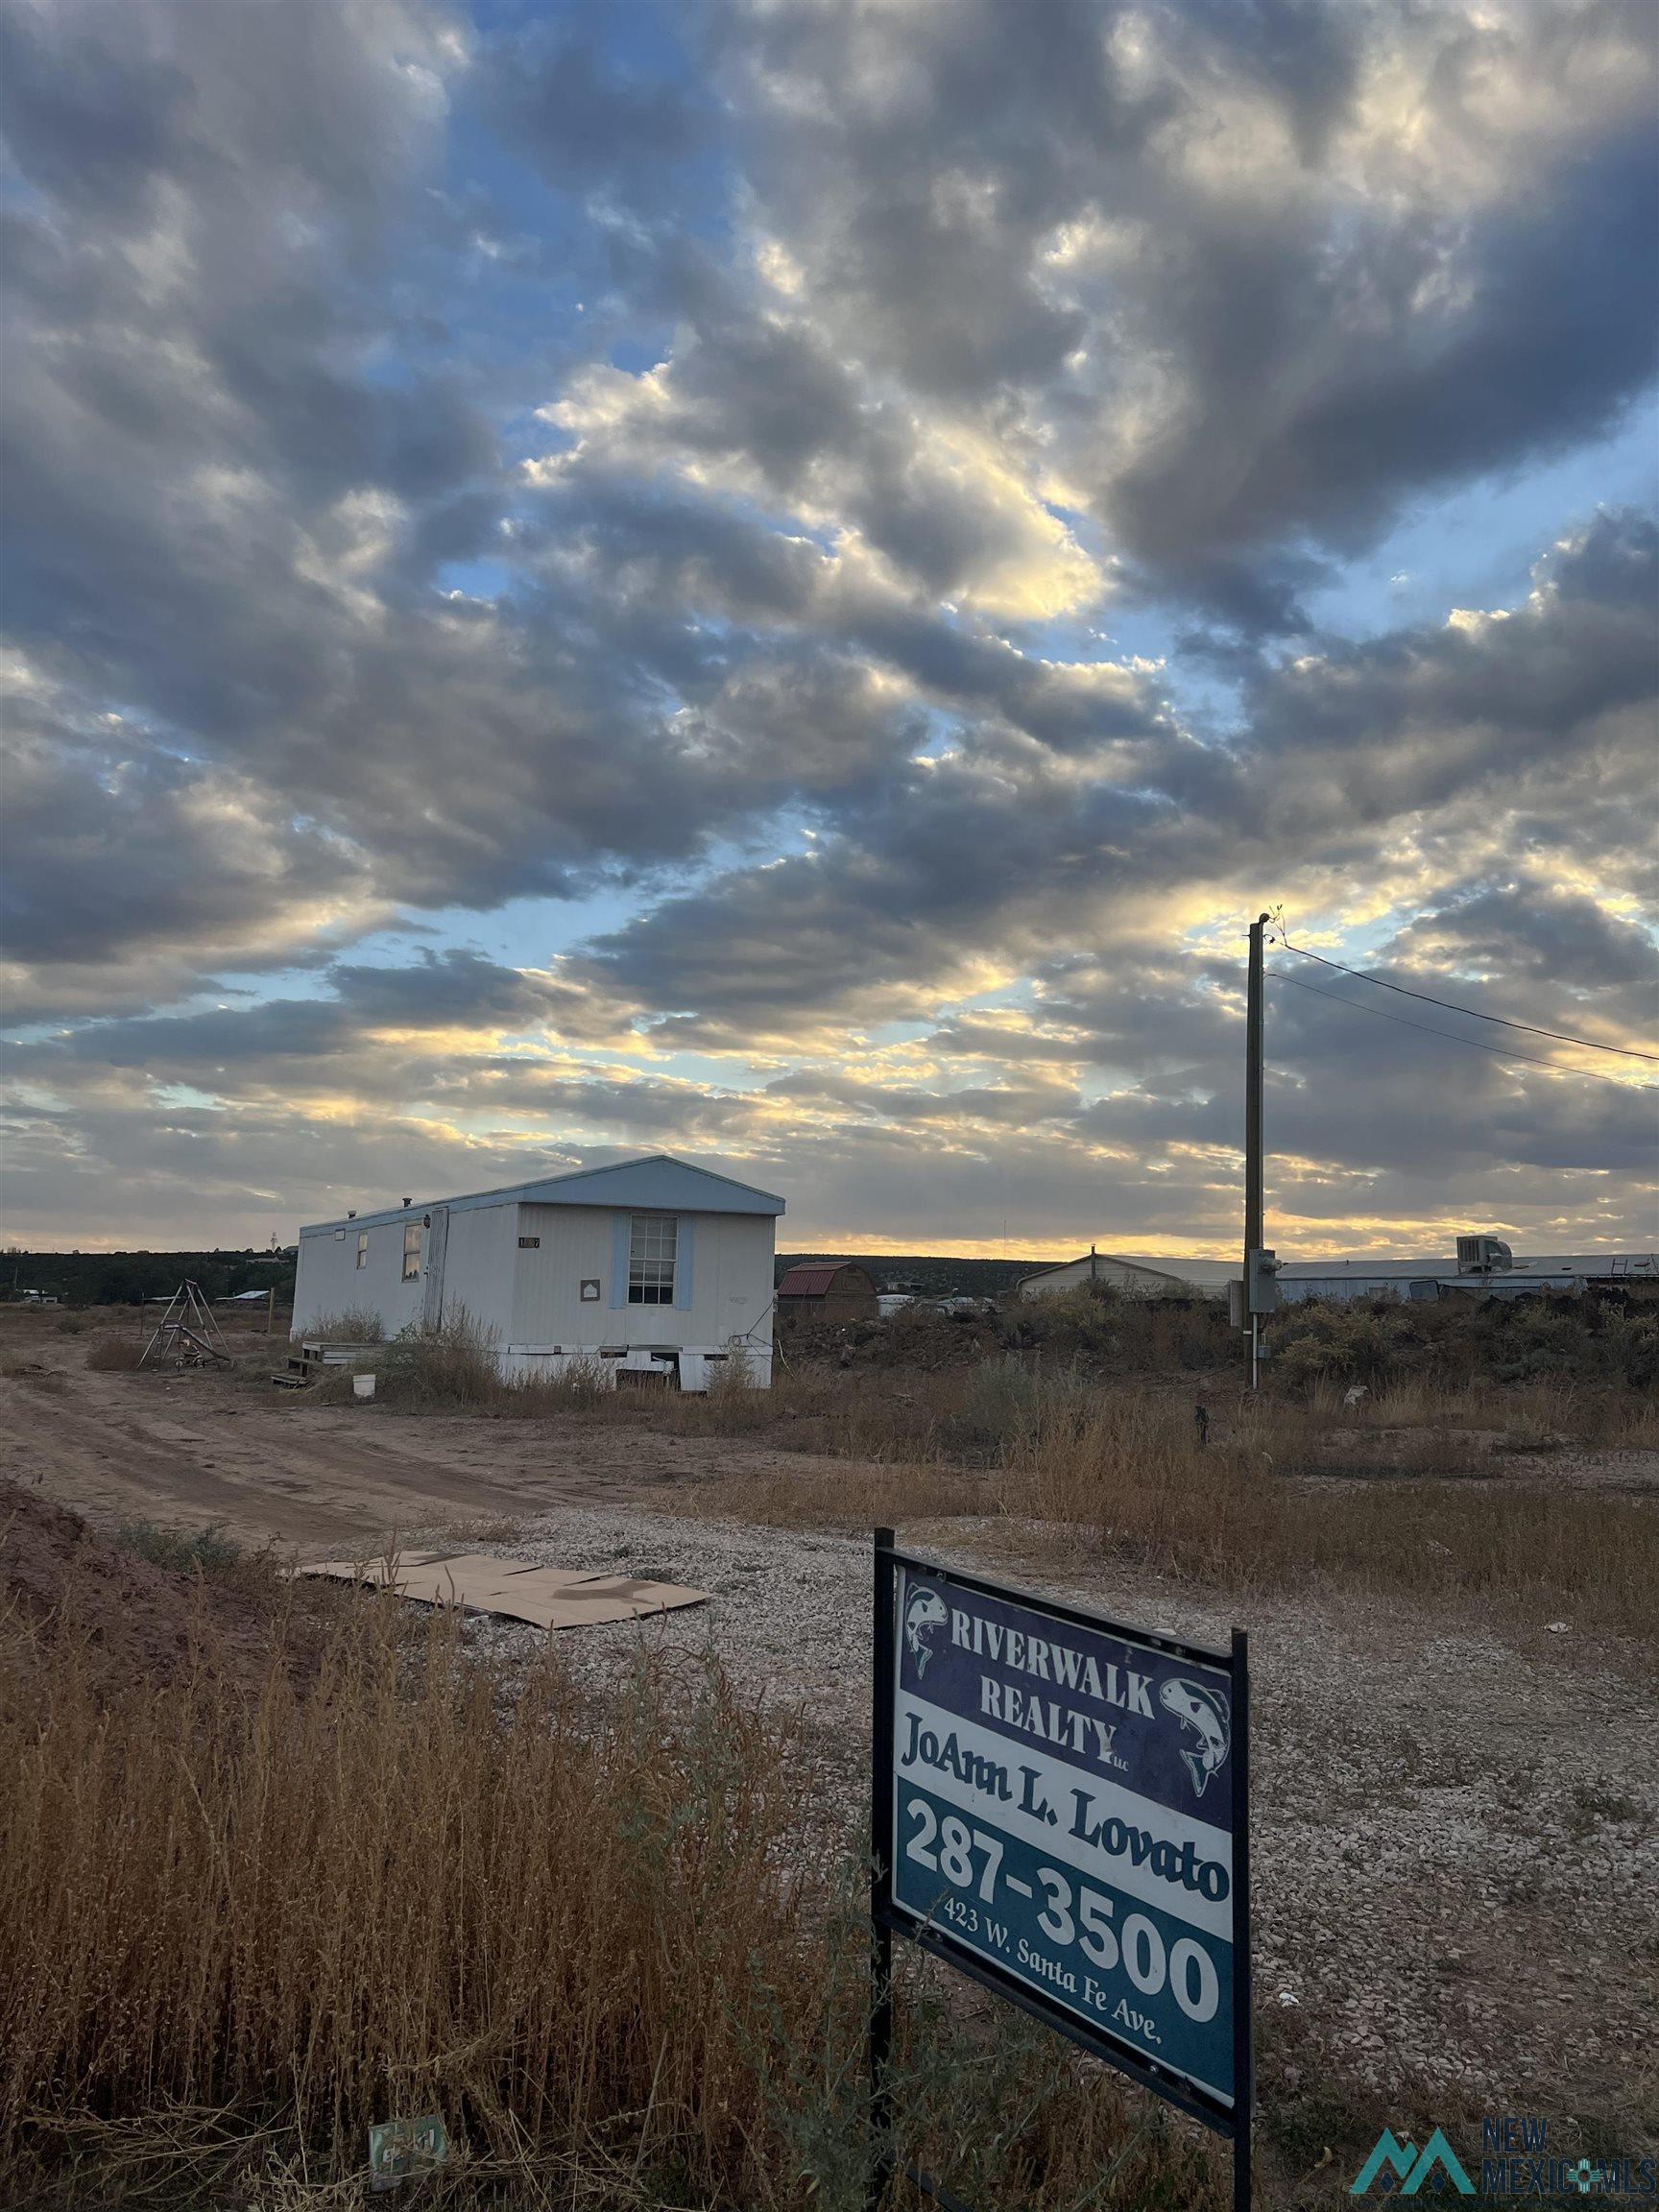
<point>1382,983</point>
<point>1429,1029</point>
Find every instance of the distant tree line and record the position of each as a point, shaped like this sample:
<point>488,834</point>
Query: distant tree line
<point>130,1277</point>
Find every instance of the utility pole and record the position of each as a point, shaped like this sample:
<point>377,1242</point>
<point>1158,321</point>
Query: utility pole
<point>1253,1142</point>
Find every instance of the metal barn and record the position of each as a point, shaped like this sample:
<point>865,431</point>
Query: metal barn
<point>1133,1274</point>
<point>650,1268</point>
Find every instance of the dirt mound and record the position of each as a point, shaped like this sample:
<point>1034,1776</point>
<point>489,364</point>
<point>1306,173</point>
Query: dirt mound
<point>61,1577</point>
<point>924,1342</point>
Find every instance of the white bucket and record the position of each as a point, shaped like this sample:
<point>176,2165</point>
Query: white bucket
<point>362,1385</point>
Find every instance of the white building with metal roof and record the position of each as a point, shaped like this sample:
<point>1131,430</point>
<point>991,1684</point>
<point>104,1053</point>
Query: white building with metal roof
<point>651,1267</point>
<point>1136,1274</point>
<point>1439,1277</point>
<point>1507,1277</point>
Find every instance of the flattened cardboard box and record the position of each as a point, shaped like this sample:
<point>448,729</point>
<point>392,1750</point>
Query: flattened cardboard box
<point>548,1597</point>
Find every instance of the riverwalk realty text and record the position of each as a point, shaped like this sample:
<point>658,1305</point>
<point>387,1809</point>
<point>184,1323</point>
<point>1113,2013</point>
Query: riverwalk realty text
<point>1064,1726</point>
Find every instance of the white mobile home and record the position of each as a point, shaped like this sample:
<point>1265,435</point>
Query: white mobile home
<point>652,1266</point>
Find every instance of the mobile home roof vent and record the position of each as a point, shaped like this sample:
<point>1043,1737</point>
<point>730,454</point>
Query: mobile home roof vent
<point>1483,1256</point>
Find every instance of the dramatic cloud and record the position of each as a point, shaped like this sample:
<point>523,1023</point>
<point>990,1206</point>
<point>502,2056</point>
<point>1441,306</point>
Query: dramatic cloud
<point>1226,275</point>
<point>759,582</point>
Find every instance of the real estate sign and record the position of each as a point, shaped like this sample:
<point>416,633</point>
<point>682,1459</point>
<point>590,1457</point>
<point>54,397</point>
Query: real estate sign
<point>1060,1811</point>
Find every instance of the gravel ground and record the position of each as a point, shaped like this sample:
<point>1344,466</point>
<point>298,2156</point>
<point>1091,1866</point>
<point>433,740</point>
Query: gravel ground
<point>790,1612</point>
<point>1457,1840</point>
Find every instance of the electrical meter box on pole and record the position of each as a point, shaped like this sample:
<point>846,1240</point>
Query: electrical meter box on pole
<point>1262,1282</point>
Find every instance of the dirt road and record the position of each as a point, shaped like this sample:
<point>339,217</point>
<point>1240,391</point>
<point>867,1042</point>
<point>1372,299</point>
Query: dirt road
<point>198,1448</point>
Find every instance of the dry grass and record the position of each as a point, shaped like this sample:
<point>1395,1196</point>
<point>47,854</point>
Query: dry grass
<point>453,1370</point>
<point>114,1355</point>
<point>619,1948</point>
<point>1134,1477</point>
<point>448,1370</point>
<point>351,1325</point>
<point>974,1415</point>
<point>1393,1494</point>
<point>849,1499</point>
<point>903,1400</point>
<point>1518,1416</point>
<point>1125,1470</point>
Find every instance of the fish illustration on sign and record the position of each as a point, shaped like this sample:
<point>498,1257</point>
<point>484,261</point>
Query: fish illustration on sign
<point>1205,1711</point>
<point>924,1613</point>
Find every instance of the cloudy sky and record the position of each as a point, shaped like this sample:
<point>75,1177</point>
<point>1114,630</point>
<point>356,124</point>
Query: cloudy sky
<point>781,582</point>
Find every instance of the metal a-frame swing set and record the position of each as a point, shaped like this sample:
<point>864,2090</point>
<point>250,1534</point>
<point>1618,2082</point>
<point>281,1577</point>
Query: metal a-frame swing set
<point>187,1336</point>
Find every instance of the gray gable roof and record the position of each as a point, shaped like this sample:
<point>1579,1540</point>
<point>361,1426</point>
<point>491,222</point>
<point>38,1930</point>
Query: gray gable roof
<point>1212,1272</point>
<point>658,1182</point>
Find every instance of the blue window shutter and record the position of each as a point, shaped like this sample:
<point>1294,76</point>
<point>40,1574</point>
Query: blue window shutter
<point>684,1245</point>
<point>619,1260</point>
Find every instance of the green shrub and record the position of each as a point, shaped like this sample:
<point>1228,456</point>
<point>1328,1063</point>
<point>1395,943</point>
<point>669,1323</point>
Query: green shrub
<point>207,1550</point>
<point>1466,1340</point>
<point>1319,1343</point>
<point>1106,1331</point>
<point>1007,1405</point>
<point>433,1370</point>
<point>1080,1323</point>
<point>1545,1339</point>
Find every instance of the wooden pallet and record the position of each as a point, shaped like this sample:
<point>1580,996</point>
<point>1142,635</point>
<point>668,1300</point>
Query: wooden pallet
<point>311,1361</point>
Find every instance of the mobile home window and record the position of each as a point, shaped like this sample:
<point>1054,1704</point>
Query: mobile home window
<point>362,1247</point>
<point>652,1238</point>
<point>411,1251</point>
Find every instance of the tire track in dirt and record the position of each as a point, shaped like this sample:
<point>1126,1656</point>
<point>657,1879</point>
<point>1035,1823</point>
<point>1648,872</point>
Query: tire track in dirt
<point>197,1448</point>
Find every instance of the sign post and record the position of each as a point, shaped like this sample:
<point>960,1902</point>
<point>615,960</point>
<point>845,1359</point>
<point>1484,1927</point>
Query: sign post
<point>881,1824</point>
<point>1060,1811</point>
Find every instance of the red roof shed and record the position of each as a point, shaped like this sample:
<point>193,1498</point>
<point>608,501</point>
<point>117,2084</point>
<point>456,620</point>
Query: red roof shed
<point>839,1289</point>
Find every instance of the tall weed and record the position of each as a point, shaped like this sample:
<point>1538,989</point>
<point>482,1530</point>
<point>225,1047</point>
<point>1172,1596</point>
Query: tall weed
<point>616,1939</point>
<point>350,1325</point>
<point>1270,1501</point>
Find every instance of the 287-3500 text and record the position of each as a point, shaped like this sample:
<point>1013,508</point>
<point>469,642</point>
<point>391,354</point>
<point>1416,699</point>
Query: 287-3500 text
<point>1072,1914</point>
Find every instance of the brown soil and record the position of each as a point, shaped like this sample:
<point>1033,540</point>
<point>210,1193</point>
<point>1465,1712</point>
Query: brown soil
<point>922,1345</point>
<point>61,1577</point>
<point>198,1448</point>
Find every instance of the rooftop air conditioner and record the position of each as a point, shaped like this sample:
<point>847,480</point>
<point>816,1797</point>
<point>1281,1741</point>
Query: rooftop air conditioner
<point>1483,1256</point>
